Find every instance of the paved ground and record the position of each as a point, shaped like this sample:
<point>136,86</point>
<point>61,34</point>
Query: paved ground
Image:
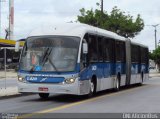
<point>9,82</point>
<point>142,99</point>
<point>9,91</point>
<point>8,87</point>
<point>9,74</point>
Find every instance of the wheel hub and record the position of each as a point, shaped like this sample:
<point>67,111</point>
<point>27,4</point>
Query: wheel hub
<point>117,84</point>
<point>92,87</point>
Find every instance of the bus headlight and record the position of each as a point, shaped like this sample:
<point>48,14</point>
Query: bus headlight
<point>20,79</point>
<point>70,80</point>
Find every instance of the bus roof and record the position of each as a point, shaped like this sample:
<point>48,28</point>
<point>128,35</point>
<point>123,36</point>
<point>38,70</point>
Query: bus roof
<point>73,29</point>
<point>139,44</point>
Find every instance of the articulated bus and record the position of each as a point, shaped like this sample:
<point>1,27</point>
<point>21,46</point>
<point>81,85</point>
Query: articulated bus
<point>79,59</point>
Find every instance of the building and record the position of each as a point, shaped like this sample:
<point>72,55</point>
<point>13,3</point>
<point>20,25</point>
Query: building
<point>12,57</point>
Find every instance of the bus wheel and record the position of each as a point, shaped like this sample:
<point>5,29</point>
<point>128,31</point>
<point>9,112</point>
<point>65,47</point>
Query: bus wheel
<point>141,79</point>
<point>92,88</point>
<point>117,84</point>
<point>44,95</point>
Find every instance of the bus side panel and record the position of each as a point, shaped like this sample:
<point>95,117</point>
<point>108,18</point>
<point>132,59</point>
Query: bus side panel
<point>107,79</point>
<point>109,76</point>
<point>95,69</point>
<point>145,70</point>
<point>121,69</point>
<point>134,73</point>
<point>105,73</point>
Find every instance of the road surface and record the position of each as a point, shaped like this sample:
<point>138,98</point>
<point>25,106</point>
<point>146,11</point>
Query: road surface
<point>141,99</point>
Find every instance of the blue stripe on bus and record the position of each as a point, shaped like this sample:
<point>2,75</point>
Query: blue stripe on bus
<point>39,79</point>
<point>137,68</point>
<point>101,70</point>
<point>144,68</point>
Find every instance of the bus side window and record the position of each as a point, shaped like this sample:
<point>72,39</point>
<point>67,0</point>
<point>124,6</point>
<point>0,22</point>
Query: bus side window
<point>144,55</point>
<point>120,51</point>
<point>123,51</point>
<point>135,54</point>
<point>93,48</point>
<point>83,56</point>
<point>109,50</point>
<point>147,56</point>
<point>100,48</point>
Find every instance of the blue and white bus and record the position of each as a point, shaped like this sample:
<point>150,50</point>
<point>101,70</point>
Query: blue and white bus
<point>79,59</point>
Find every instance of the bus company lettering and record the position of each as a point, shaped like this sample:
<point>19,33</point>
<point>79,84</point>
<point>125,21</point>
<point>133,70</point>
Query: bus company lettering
<point>32,78</point>
<point>94,68</point>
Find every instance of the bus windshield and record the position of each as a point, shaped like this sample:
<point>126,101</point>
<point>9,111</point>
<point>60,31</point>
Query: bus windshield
<point>52,53</point>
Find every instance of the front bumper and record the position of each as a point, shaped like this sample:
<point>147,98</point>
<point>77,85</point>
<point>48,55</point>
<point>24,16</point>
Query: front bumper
<point>76,88</point>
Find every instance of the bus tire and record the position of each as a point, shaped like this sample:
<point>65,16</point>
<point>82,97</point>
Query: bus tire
<point>43,95</point>
<point>117,83</point>
<point>92,87</point>
<point>142,76</point>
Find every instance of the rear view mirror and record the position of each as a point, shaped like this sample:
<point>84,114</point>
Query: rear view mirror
<point>17,46</point>
<point>85,48</point>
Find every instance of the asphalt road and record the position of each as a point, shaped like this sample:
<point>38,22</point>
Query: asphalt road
<point>141,99</point>
<point>10,82</point>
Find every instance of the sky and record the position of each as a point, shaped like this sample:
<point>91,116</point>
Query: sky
<point>30,14</point>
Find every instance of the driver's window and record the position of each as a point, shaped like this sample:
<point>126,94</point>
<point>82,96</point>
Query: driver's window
<point>83,56</point>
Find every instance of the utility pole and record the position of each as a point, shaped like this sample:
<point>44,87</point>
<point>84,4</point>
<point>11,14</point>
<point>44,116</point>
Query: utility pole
<point>1,16</point>
<point>102,7</point>
<point>155,26</point>
<point>11,19</point>
<point>155,33</point>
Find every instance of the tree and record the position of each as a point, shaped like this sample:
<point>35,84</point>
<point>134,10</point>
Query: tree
<point>117,21</point>
<point>156,56</point>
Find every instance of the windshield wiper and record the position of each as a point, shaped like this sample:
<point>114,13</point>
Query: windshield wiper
<point>46,57</point>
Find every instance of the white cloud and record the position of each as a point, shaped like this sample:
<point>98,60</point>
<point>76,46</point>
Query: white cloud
<point>32,13</point>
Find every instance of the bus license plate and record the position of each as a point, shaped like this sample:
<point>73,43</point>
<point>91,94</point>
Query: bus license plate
<point>43,89</point>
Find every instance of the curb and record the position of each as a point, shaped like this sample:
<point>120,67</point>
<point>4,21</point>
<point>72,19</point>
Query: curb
<point>3,78</point>
<point>15,95</point>
<point>9,77</point>
<point>154,75</point>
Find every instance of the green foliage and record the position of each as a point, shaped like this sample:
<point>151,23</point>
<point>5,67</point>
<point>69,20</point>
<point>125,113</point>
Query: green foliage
<point>151,56</point>
<point>117,21</point>
<point>156,55</point>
